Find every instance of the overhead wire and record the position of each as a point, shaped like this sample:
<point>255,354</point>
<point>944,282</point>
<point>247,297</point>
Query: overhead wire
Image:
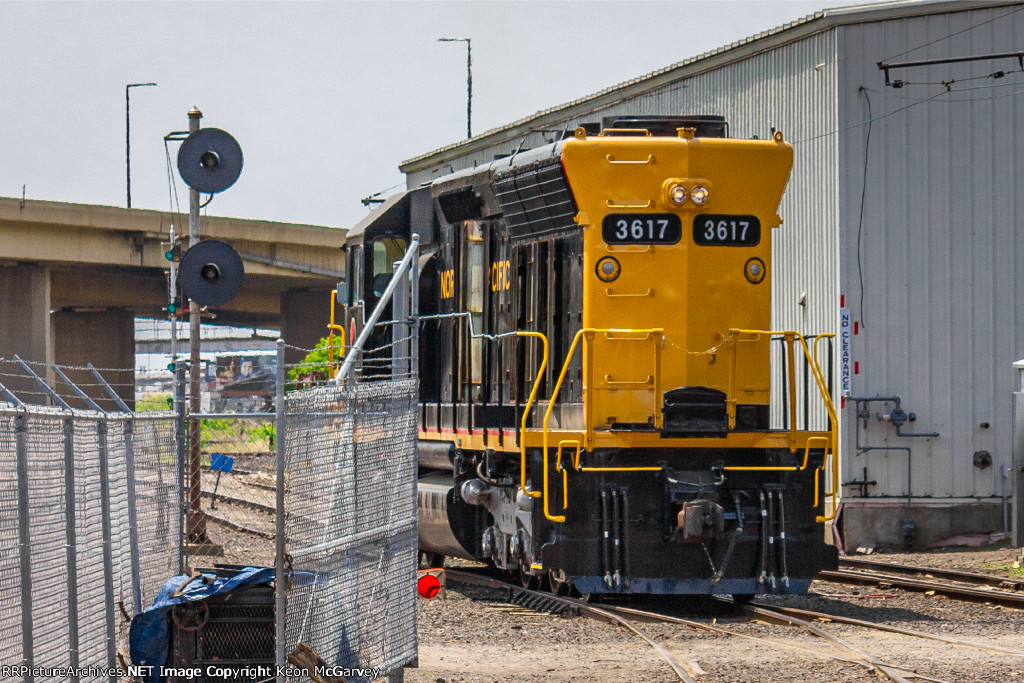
<point>956,33</point>
<point>860,223</point>
<point>872,119</point>
<point>172,186</point>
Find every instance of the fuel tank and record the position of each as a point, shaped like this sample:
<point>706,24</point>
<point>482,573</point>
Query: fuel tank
<point>435,497</point>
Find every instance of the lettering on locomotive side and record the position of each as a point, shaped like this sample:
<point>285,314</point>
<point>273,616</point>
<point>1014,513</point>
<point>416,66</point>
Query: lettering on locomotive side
<point>447,283</point>
<point>499,275</point>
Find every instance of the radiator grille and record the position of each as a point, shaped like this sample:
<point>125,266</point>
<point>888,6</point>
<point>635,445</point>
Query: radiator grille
<point>536,198</point>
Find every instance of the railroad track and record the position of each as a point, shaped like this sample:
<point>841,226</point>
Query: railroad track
<point>546,602</point>
<point>625,616</point>
<point>237,513</point>
<point>825,617</point>
<point>990,589</point>
<point>974,578</point>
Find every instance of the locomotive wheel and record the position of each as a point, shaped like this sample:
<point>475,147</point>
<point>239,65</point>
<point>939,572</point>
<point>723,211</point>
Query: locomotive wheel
<point>428,560</point>
<point>529,581</point>
<point>559,584</point>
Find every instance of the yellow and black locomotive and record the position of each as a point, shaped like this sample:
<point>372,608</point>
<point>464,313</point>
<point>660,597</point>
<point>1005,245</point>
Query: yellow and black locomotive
<point>595,364</point>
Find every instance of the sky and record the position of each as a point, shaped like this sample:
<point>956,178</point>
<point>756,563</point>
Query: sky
<point>326,99</point>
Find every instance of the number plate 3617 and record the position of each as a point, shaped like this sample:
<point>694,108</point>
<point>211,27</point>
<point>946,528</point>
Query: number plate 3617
<point>713,229</point>
<point>641,228</point>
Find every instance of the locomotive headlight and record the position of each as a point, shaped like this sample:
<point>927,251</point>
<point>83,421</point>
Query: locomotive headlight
<point>677,193</point>
<point>700,195</point>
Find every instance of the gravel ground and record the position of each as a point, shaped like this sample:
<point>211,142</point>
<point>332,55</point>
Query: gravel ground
<point>239,548</point>
<point>475,635</point>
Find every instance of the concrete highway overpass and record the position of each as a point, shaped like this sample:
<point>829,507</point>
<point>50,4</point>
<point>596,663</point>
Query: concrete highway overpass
<point>74,276</point>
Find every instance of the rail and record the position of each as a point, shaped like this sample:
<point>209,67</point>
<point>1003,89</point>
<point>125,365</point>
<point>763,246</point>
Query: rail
<point>526,411</point>
<point>790,337</point>
<point>654,381</point>
<point>825,443</point>
<point>332,327</point>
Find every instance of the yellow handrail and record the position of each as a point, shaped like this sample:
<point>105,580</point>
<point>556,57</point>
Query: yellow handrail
<point>526,414</point>
<point>332,327</point>
<point>547,417</point>
<point>786,468</point>
<point>819,380</point>
<point>565,476</point>
<point>551,406</point>
<point>828,443</point>
<point>822,386</point>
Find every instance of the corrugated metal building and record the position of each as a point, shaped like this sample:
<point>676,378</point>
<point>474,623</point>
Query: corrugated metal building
<point>904,204</point>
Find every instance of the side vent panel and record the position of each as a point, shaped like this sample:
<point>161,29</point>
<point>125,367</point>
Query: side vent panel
<point>536,199</point>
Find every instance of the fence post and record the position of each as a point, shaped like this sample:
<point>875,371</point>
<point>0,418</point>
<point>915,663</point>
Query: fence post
<point>179,440</point>
<point>72,544</point>
<point>414,320</point>
<point>108,546</point>
<point>280,583</point>
<point>24,543</point>
<point>133,518</point>
<point>400,328</point>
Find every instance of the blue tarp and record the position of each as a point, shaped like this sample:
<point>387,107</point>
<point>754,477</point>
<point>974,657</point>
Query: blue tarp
<point>148,636</point>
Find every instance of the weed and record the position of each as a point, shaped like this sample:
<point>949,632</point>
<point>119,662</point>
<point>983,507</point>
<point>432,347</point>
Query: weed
<point>154,401</point>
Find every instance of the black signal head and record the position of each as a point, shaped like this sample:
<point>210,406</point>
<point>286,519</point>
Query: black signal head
<point>210,160</point>
<point>211,273</point>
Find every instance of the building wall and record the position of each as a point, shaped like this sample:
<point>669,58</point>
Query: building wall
<point>942,312</point>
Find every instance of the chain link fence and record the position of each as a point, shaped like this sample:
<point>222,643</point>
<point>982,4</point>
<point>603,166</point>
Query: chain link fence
<point>236,492</point>
<point>77,556</point>
<point>107,513</point>
<point>351,522</point>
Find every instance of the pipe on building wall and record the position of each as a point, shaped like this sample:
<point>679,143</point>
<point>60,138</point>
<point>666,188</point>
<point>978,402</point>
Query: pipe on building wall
<point>898,417</point>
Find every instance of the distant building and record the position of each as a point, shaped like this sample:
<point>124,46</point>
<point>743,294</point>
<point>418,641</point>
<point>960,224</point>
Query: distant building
<point>904,205</point>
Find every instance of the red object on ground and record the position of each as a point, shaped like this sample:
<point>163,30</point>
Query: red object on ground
<point>428,586</point>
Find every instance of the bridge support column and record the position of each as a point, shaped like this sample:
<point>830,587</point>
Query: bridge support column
<point>105,338</point>
<point>304,315</point>
<point>25,325</point>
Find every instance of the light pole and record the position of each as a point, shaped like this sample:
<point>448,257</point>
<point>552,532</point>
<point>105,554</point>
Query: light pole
<point>127,136</point>
<point>469,80</point>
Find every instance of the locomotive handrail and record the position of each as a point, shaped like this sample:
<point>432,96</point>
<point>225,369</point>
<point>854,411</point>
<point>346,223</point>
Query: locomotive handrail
<point>332,327</point>
<point>612,205</point>
<point>814,349</point>
<point>632,383</point>
<point>648,333</point>
<point>645,131</point>
<point>790,336</point>
<point>565,476</point>
<point>650,292</point>
<point>613,160</point>
<point>578,468</point>
<point>835,465</point>
<point>526,414</point>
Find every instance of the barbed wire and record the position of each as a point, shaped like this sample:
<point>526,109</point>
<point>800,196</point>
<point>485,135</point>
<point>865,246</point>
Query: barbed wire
<point>62,366</point>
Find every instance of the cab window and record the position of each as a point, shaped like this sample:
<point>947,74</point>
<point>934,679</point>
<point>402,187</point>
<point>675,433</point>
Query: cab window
<point>355,275</point>
<point>386,250</point>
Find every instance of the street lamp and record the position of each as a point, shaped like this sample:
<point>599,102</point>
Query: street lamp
<point>469,80</point>
<point>127,136</point>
